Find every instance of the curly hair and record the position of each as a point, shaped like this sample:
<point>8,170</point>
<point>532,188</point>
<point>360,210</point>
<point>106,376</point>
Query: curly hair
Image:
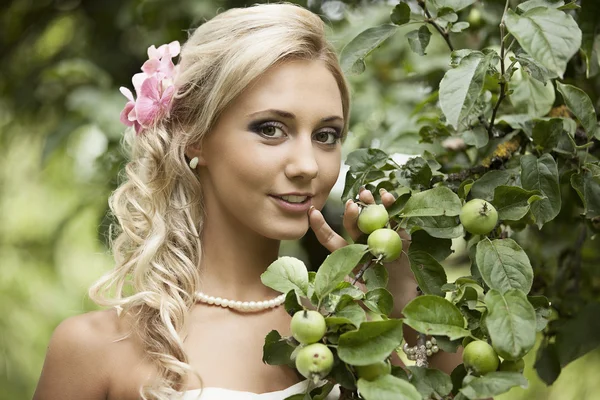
<point>159,206</point>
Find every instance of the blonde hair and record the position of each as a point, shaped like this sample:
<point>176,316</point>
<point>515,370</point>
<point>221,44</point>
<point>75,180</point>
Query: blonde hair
<point>159,206</point>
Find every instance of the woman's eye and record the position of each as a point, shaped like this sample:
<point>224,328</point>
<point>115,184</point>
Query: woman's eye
<point>327,137</point>
<point>271,131</point>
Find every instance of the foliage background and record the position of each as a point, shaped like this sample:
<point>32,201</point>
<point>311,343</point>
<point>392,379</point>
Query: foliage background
<point>61,63</point>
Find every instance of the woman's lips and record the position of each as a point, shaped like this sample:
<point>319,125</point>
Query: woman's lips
<point>293,207</point>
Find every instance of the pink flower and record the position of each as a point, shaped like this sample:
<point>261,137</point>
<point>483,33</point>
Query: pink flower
<point>153,102</point>
<point>154,88</point>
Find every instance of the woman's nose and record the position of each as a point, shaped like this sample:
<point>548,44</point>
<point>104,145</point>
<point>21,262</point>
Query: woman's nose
<point>302,162</point>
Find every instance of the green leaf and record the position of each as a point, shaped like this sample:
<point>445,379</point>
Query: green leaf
<point>354,181</point>
<point>570,6</point>
<point>365,166</point>
<point>511,323</point>
<point>445,15</point>
<point>579,335</point>
<point>455,5</point>
<point>419,39</point>
<point>400,14</point>
<point>353,55</point>
<point>542,174</point>
<point>546,134</point>
<point>361,160</point>
<point>531,96</point>
<point>349,289</point>
<point>433,202</point>
<point>440,249</point>
<point>459,27</point>
<point>447,345</point>
<point>387,387</point>
<point>493,384</point>
<point>336,267</point>
<point>550,36</point>
<point>399,204</point>
<point>341,373</point>
<point>477,137</point>
<point>415,173</point>
<point>457,376</point>
<point>518,121</point>
<point>547,365</point>
<point>533,68</point>
<point>465,188</point>
<point>429,381</point>
<point>373,341</point>
<point>429,273</point>
<point>440,227</point>
<point>587,186</point>
<point>433,315</point>
<point>483,188</point>
<point>504,265</point>
<point>277,351</point>
<point>285,274</point>
<point>512,202</point>
<point>380,301</point>
<point>353,313</point>
<point>461,86</point>
<point>528,5</point>
<point>580,104</point>
<point>292,303</point>
<point>376,277</point>
<point>590,25</point>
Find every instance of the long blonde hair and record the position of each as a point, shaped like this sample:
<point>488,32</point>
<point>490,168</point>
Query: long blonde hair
<point>159,207</point>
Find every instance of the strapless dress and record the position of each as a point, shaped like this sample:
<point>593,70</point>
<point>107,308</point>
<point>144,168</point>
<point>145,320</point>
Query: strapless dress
<point>212,393</point>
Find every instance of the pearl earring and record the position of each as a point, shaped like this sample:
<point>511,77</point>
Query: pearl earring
<point>194,163</point>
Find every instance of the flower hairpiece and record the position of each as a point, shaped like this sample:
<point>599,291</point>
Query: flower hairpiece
<point>154,87</point>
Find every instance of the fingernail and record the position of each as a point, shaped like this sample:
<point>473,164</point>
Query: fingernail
<point>360,189</point>
<point>311,209</point>
<point>347,203</point>
<point>382,191</point>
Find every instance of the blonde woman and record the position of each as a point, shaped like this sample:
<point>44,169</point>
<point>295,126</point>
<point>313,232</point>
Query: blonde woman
<point>231,151</point>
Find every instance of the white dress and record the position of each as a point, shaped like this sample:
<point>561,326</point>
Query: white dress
<point>211,393</point>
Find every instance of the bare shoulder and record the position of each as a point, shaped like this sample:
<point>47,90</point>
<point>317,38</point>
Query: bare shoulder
<point>87,333</point>
<point>77,360</point>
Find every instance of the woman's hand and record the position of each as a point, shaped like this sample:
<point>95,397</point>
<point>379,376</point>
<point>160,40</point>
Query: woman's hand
<point>328,237</point>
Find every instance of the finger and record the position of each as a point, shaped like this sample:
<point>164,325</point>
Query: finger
<point>366,196</point>
<point>387,199</point>
<point>326,236</point>
<point>350,219</point>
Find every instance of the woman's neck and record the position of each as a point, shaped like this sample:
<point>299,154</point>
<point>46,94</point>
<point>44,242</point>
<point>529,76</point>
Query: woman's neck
<point>233,258</point>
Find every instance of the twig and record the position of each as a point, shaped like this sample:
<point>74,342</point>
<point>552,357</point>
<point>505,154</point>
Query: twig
<point>431,21</point>
<point>503,82</point>
<point>463,175</point>
<point>362,270</point>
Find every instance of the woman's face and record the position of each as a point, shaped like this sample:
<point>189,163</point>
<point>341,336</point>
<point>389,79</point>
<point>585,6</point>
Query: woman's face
<point>280,137</point>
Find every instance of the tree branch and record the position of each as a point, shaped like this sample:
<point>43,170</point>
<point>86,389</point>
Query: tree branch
<point>362,270</point>
<point>431,21</point>
<point>503,82</point>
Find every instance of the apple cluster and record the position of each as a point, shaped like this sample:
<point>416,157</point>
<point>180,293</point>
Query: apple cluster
<point>384,243</point>
<point>314,360</point>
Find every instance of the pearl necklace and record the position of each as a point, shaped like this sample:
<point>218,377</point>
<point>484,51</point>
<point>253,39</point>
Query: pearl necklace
<point>242,306</point>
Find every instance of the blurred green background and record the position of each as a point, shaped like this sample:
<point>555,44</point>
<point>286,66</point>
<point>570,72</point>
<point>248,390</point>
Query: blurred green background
<point>61,63</point>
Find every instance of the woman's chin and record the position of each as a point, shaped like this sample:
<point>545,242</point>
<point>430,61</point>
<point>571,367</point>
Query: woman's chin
<point>294,232</point>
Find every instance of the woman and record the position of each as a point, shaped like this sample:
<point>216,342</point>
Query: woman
<point>235,149</point>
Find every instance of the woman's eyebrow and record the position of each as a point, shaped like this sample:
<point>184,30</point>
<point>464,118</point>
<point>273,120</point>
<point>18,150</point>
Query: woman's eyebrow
<point>289,115</point>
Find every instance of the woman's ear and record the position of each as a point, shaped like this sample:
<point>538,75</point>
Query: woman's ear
<point>195,151</point>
